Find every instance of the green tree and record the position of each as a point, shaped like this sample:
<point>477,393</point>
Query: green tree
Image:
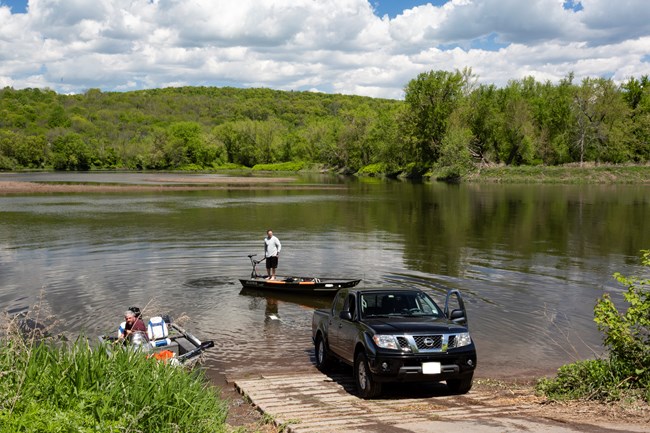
<point>31,151</point>
<point>7,140</point>
<point>455,157</point>
<point>558,121</point>
<point>185,145</point>
<point>58,118</point>
<point>637,96</point>
<point>484,120</point>
<point>322,135</point>
<point>517,140</point>
<point>431,98</point>
<point>70,152</point>
<point>355,146</point>
<point>601,115</point>
<point>386,141</point>
<point>251,142</point>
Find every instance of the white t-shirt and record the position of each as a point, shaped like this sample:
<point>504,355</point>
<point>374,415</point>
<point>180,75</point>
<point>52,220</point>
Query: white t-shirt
<point>272,246</point>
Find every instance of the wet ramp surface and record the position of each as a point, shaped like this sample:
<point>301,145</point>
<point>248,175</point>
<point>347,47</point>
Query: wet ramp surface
<point>309,401</point>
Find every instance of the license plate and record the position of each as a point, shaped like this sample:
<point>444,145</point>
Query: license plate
<point>430,368</point>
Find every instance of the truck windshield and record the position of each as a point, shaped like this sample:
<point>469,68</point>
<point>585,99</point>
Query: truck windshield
<point>398,304</point>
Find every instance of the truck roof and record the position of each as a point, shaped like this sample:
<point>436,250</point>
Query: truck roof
<point>385,289</point>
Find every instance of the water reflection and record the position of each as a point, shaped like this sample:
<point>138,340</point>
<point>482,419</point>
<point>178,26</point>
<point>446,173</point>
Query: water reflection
<point>272,299</point>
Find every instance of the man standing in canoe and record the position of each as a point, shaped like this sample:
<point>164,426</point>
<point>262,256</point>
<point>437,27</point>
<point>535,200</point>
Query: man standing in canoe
<point>272,249</point>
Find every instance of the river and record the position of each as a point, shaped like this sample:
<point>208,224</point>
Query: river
<point>530,260</point>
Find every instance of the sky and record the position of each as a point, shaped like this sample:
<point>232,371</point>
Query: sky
<point>360,47</point>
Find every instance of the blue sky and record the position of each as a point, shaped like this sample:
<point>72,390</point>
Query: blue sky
<point>17,6</point>
<point>363,47</point>
<point>391,8</point>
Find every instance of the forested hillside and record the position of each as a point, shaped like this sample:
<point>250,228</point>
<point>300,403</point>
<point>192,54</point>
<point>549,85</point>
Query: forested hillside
<point>445,123</point>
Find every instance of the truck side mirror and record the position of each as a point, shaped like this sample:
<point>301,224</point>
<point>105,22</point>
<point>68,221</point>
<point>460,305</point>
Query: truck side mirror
<point>345,315</point>
<point>456,314</point>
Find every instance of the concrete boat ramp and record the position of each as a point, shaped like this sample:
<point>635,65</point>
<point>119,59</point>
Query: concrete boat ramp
<point>308,401</point>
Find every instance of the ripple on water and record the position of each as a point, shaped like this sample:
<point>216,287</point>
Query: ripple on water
<point>210,282</point>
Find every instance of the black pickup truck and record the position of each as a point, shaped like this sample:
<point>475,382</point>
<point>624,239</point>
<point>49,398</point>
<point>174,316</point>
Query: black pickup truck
<point>392,335</point>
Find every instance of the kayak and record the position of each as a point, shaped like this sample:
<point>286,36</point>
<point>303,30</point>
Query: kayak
<point>167,341</point>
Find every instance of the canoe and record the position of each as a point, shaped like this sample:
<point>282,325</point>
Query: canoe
<point>168,342</point>
<point>298,284</point>
<point>294,284</point>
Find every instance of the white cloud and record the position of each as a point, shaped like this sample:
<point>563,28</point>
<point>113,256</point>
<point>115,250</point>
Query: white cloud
<point>335,45</point>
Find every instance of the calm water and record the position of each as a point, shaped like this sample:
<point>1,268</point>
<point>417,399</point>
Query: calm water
<point>530,260</point>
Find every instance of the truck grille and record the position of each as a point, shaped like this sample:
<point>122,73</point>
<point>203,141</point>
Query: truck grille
<point>425,343</point>
<point>403,343</point>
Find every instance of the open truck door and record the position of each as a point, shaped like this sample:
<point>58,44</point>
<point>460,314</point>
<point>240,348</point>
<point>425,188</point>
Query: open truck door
<point>455,307</point>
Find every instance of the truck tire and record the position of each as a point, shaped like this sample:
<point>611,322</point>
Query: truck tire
<point>367,387</point>
<point>460,386</point>
<point>323,357</point>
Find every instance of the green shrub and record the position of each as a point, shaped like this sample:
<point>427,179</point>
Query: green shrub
<point>190,167</point>
<point>376,169</point>
<point>282,166</point>
<point>228,166</point>
<point>594,379</point>
<point>627,335</point>
<point>7,163</point>
<point>627,338</point>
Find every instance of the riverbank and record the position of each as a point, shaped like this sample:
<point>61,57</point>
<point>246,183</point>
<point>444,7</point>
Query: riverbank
<point>588,173</point>
<point>186,183</point>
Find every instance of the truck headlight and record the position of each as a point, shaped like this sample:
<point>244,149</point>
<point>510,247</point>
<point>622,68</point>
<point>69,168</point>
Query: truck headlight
<point>385,341</point>
<point>463,339</point>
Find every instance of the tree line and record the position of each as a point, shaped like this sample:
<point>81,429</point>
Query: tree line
<point>446,123</point>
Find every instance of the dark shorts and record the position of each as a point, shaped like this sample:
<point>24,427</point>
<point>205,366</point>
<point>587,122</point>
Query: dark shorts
<point>272,262</point>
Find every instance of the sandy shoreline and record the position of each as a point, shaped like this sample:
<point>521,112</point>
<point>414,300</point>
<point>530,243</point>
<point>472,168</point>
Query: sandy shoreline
<point>164,185</point>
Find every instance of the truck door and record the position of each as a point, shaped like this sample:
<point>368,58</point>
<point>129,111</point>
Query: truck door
<point>455,307</point>
<point>348,328</point>
<point>333,328</point>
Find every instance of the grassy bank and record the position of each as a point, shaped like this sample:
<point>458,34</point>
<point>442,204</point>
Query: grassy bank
<point>48,387</point>
<point>567,174</point>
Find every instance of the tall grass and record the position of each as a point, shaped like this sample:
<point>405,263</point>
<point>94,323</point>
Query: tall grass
<point>48,386</point>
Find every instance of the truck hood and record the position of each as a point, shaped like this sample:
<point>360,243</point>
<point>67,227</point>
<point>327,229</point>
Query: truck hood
<point>412,325</point>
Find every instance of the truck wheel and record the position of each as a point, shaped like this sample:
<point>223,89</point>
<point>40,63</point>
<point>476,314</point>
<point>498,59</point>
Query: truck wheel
<point>323,358</point>
<point>460,386</point>
<point>367,387</point>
